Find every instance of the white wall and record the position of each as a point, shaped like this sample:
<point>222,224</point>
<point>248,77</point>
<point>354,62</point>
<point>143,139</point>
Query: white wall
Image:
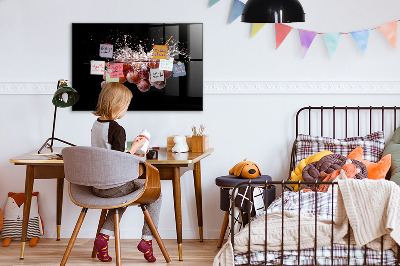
<point>36,47</point>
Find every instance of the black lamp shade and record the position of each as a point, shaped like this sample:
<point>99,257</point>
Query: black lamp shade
<point>60,101</point>
<point>273,11</point>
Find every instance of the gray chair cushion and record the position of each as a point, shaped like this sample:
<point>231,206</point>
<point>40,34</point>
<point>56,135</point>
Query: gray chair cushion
<point>83,195</point>
<point>99,167</point>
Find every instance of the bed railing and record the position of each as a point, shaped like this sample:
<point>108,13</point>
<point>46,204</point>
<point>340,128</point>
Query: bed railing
<point>331,119</point>
<point>283,184</point>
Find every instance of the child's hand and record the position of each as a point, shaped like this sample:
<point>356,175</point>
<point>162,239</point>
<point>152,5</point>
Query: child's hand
<point>137,144</point>
<point>143,155</point>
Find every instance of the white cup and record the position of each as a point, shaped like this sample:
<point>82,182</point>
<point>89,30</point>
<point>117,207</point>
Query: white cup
<point>144,134</point>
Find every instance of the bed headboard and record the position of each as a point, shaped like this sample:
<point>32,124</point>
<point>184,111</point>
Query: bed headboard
<point>344,121</point>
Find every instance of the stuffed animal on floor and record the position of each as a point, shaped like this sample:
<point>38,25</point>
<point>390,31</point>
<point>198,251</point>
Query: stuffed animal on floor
<point>13,215</point>
<point>1,219</point>
<point>245,169</point>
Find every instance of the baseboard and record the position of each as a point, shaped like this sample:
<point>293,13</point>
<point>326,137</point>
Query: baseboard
<point>245,87</point>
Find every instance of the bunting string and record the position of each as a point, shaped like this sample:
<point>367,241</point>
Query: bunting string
<point>361,37</point>
<point>343,33</point>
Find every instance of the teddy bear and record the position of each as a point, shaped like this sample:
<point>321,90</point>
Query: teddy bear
<point>13,215</point>
<point>180,144</point>
<point>245,169</point>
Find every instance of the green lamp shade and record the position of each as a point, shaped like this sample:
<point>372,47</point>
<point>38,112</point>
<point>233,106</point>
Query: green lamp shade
<point>65,96</point>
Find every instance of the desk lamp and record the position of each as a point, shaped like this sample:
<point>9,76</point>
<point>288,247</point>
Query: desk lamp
<point>64,97</point>
<point>273,11</point>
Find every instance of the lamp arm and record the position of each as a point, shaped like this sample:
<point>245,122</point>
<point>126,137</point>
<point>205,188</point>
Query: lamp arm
<point>54,119</point>
<point>54,126</point>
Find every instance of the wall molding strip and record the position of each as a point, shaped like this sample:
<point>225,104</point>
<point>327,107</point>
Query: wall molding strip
<point>244,87</point>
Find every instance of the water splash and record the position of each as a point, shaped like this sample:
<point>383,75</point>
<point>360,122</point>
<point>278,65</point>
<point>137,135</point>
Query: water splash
<point>137,62</point>
<point>138,54</point>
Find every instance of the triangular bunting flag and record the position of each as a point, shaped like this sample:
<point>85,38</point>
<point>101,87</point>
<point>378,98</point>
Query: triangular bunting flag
<point>256,28</point>
<point>361,38</point>
<point>213,2</point>
<point>237,9</point>
<point>390,32</point>
<point>281,31</point>
<point>306,39</point>
<point>332,41</point>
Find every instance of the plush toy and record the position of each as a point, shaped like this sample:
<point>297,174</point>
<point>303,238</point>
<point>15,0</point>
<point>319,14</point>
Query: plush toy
<point>13,215</point>
<point>245,169</point>
<point>180,144</point>
<point>1,220</point>
<point>375,170</point>
<point>296,174</point>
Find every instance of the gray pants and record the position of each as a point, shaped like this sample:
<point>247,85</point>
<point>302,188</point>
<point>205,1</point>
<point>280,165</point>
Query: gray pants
<point>154,208</point>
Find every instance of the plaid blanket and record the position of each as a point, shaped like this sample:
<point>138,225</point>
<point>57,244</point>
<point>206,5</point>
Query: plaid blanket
<point>307,202</point>
<point>324,257</point>
<point>322,204</point>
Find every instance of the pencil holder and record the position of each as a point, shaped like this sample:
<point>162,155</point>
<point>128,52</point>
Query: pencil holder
<point>200,143</point>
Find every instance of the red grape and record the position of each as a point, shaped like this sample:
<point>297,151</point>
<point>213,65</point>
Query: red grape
<point>159,84</point>
<point>127,68</point>
<point>133,77</point>
<point>143,85</point>
<point>167,74</point>
<point>144,73</point>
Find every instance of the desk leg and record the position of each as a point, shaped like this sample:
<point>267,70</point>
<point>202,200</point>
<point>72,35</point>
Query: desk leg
<point>199,204</point>
<point>27,206</point>
<point>176,182</point>
<point>60,190</point>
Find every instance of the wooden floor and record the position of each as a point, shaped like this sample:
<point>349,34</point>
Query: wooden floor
<point>50,252</point>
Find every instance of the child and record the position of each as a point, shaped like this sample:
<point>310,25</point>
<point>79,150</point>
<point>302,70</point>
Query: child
<point>113,103</point>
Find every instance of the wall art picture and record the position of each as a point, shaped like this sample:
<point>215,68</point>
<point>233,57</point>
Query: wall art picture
<point>162,64</point>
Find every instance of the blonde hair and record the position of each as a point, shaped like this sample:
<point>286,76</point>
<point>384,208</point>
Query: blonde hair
<point>112,99</point>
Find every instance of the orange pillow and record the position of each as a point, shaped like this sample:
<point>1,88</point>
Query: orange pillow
<point>375,170</point>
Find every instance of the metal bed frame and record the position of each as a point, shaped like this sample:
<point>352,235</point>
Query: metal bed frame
<point>283,184</point>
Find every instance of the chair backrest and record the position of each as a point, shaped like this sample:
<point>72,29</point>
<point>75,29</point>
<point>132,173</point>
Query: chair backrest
<point>91,166</point>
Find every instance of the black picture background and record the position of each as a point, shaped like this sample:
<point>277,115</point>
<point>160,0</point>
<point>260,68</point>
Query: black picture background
<point>180,94</point>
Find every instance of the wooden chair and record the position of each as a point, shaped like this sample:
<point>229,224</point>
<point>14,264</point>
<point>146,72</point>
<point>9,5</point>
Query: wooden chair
<point>85,167</point>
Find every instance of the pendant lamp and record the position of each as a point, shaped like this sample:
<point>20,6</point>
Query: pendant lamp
<point>273,11</point>
<point>64,96</point>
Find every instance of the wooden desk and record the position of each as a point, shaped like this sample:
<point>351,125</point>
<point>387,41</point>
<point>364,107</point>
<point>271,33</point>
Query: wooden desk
<point>171,167</point>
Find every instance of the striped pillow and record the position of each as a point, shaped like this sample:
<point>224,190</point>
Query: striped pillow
<point>372,145</point>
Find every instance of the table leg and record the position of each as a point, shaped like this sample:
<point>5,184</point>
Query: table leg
<point>223,229</point>
<point>27,206</point>
<point>199,204</point>
<point>60,190</point>
<point>176,182</point>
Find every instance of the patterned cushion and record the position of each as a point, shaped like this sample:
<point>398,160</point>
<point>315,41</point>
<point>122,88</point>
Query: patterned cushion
<point>372,144</point>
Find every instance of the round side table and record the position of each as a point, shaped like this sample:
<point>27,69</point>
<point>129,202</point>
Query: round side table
<point>226,183</point>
